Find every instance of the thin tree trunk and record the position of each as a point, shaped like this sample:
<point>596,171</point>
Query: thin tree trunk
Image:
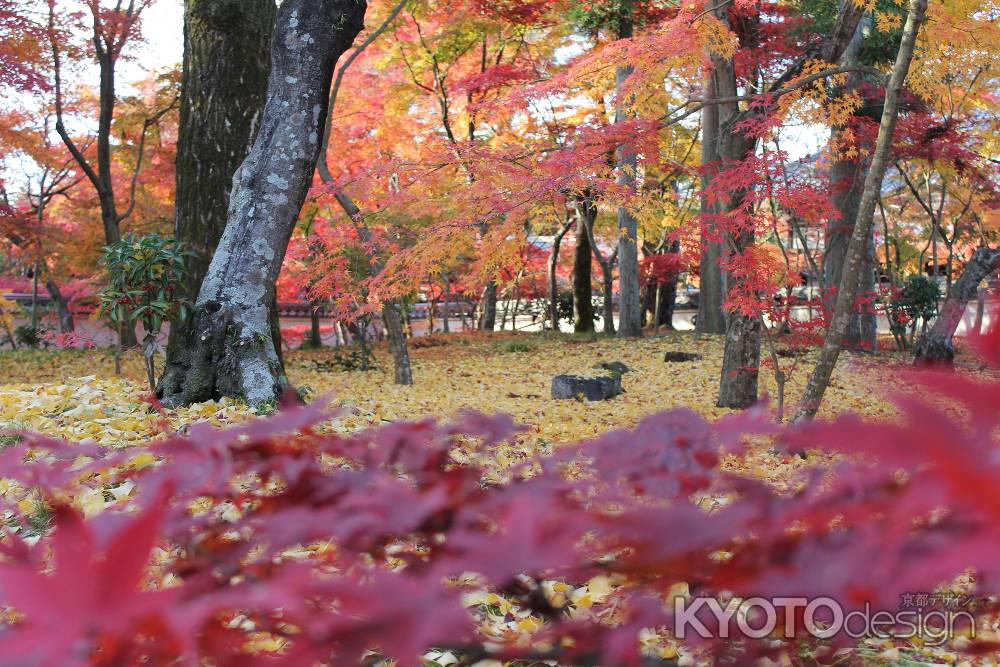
<point>397,344</point>
<point>847,179</point>
<point>630,300</point>
<point>394,325</point>
<point>657,296</point>
<point>66,323</point>
<point>711,290</point>
<point>517,306</point>
<point>34,298</point>
<point>667,296</point>
<point>583,304</point>
<point>977,327</point>
<point>837,330</point>
<point>738,383</point>
<point>553,286</point>
<point>935,346</point>
<point>587,216</point>
<point>229,346</point>
<point>315,333</point>
<point>100,176</point>
<point>488,307</point>
<point>431,308</point>
<point>447,302</point>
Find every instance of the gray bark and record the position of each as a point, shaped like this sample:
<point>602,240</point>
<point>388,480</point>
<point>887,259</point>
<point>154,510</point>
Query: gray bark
<point>315,331</point>
<point>977,326</point>
<point>587,215</point>
<point>403,371</point>
<point>390,309</point>
<point>553,264</point>
<point>738,383</point>
<point>711,290</point>
<point>229,349</point>
<point>847,181</point>
<point>935,346</point>
<point>488,307</point>
<point>66,323</point>
<point>630,298</point>
<point>446,327</point>
<point>837,330</point>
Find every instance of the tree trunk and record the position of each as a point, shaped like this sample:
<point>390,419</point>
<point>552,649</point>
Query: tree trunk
<point>847,181</point>
<point>630,299</point>
<point>447,303</point>
<point>393,325</point>
<point>661,300</point>
<point>66,323</point>
<point>397,343</point>
<point>935,346</point>
<point>488,307</point>
<point>586,211</point>
<point>223,89</point>
<point>315,332</point>
<point>553,286</point>
<point>741,359</point>
<point>837,330</point>
<point>34,298</point>
<point>583,303</point>
<point>711,317</point>
<point>229,347</point>
<point>977,326</point>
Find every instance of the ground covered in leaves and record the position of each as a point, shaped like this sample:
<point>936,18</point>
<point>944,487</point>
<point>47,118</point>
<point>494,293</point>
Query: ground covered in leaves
<point>75,395</point>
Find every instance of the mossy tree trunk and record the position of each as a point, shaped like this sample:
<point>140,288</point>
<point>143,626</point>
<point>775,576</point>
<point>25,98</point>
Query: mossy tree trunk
<point>228,346</point>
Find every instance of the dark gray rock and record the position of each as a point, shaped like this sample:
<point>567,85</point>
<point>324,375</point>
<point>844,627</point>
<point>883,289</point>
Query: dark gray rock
<point>599,388</point>
<point>615,367</point>
<point>680,357</point>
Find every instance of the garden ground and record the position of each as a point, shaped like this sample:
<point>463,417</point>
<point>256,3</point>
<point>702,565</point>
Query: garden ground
<point>74,394</point>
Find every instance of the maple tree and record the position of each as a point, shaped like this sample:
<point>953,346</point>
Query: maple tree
<point>494,156</point>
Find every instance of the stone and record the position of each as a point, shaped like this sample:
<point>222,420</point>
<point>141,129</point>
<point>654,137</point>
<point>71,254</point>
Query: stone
<point>600,388</point>
<point>680,357</point>
<point>614,367</point>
